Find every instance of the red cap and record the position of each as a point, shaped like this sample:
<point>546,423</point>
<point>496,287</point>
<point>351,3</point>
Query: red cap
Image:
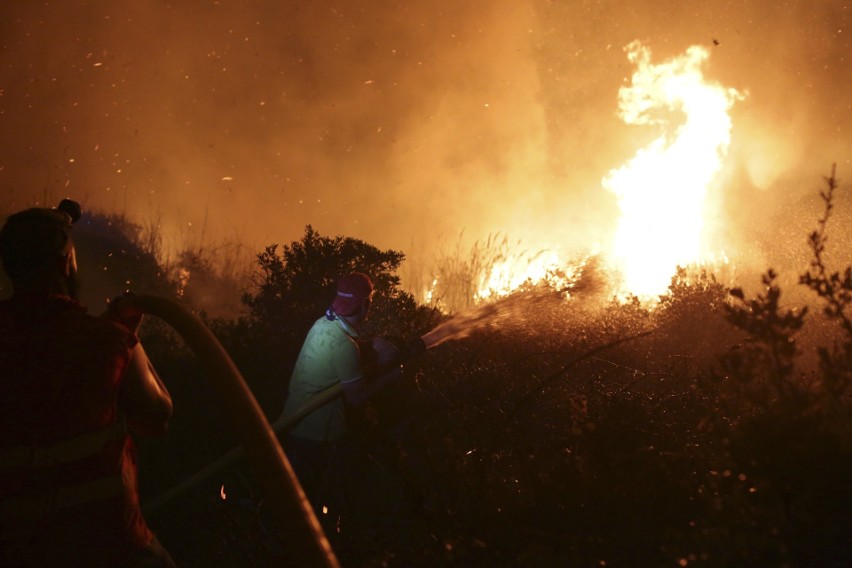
<point>352,289</point>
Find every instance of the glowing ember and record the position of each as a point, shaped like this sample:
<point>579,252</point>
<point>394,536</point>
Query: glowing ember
<point>222,493</point>
<point>662,190</point>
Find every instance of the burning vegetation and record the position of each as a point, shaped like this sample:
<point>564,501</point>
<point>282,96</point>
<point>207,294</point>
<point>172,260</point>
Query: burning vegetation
<point>629,395</point>
<point>668,196</point>
<point>543,427</point>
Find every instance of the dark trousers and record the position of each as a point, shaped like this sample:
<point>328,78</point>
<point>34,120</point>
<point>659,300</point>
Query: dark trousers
<point>326,472</point>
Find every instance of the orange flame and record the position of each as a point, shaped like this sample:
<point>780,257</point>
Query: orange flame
<point>506,276</point>
<point>662,191</point>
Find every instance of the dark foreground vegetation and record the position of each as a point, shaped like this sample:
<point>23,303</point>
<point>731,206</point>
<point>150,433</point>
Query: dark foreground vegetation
<point>712,430</point>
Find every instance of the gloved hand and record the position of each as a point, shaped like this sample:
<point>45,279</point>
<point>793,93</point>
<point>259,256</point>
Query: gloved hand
<point>413,347</point>
<point>387,353</point>
<point>124,313</point>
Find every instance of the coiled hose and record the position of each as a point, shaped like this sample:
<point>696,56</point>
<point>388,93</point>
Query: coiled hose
<point>305,541</point>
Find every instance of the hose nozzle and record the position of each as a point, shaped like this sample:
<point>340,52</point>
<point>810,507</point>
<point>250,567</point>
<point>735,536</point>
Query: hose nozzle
<point>412,348</point>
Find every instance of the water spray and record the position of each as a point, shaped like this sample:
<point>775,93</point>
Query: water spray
<point>460,326</point>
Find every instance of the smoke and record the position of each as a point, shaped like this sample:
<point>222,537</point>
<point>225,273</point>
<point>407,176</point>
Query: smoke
<point>402,124</point>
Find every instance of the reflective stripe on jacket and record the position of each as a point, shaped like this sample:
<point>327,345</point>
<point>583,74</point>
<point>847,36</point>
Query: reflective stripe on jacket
<point>79,447</point>
<point>67,464</point>
<point>33,507</point>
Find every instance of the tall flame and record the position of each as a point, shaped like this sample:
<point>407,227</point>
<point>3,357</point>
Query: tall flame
<point>662,190</point>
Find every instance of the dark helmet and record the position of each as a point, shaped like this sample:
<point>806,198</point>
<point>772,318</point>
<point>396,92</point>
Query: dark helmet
<point>34,235</point>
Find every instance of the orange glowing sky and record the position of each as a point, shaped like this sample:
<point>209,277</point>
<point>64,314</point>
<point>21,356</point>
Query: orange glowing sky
<point>401,123</point>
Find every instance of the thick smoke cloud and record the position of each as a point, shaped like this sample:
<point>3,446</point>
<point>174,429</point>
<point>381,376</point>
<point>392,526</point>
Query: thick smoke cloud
<point>403,124</point>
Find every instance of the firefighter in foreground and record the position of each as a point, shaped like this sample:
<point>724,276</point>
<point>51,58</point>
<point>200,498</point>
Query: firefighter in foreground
<point>320,447</point>
<point>73,387</point>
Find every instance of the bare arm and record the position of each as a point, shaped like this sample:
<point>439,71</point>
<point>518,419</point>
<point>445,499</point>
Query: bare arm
<point>143,398</point>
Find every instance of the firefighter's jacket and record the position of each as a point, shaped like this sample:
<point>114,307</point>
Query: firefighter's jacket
<point>67,463</point>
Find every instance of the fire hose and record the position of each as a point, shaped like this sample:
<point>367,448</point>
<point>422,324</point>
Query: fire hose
<point>288,503</point>
<point>280,427</point>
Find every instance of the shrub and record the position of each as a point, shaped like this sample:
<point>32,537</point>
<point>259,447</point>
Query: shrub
<point>786,431</point>
<point>296,283</point>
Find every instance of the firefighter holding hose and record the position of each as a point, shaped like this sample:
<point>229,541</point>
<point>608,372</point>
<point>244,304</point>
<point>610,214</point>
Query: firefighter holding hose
<point>320,445</point>
<point>73,388</point>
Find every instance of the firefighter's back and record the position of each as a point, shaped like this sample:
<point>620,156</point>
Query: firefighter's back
<point>67,466</point>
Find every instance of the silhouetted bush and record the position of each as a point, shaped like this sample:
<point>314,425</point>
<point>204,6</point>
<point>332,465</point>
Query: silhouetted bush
<point>584,432</point>
<point>294,285</point>
<point>787,430</point>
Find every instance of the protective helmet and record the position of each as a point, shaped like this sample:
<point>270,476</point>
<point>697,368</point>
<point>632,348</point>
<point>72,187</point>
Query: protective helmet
<point>34,235</point>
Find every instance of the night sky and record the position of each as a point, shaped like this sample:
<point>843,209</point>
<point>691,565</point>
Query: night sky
<point>401,123</point>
